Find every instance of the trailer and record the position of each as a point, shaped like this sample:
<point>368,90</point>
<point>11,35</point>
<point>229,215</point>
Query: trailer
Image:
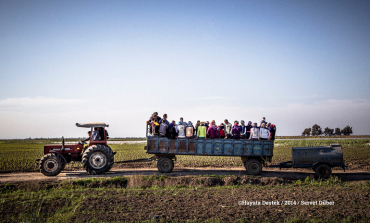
<point>98,158</point>
<point>320,158</point>
<point>253,153</point>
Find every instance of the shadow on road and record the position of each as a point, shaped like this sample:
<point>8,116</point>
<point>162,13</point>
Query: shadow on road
<point>291,175</point>
<point>353,176</point>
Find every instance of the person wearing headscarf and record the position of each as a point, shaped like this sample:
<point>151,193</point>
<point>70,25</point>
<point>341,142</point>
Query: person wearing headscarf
<point>212,132</point>
<point>171,131</point>
<point>254,132</point>
<point>202,131</point>
<point>268,125</point>
<point>248,129</point>
<point>213,124</point>
<point>190,130</point>
<point>272,132</point>
<point>264,133</point>
<point>236,131</point>
<point>181,130</point>
<point>228,129</point>
<point>239,126</point>
<point>221,130</point>
<point>242,128</point>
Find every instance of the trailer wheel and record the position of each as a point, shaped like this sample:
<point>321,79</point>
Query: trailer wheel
<point>50,165</point>
<point>323,170</point>
<point>98,159</point>
<point>165,165</point>
<point>253,167</point>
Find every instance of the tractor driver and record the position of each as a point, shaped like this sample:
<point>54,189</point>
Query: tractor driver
<point>89,133</point>
<point>101,133</point>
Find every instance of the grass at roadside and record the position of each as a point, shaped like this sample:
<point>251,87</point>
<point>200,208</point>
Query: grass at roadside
<point>163,182</point>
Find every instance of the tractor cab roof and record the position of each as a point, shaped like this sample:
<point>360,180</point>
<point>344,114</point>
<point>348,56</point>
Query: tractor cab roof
<point>92,125</point>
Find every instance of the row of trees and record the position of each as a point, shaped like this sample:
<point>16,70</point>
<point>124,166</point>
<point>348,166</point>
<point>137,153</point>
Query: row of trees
<point>316,130</point>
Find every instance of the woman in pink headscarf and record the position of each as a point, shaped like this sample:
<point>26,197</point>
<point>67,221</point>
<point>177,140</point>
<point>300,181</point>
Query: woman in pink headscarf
<point>213,124</point>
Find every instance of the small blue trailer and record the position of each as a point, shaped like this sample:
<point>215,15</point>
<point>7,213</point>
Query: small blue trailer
<point>253,153</point>
<point>320,158</point>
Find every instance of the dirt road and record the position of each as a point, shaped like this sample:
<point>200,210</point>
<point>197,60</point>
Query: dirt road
<point>285,174</point>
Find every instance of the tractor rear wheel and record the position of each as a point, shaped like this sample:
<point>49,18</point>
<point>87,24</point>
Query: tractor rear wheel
<point>50,165</point>
<point>253,167</point>
<point>98,159</point>
<point>165,165</point>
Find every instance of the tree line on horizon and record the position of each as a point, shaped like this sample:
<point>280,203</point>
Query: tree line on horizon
<point>316,130</point>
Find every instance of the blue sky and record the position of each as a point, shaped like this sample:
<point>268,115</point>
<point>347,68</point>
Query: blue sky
<point>298,63</point>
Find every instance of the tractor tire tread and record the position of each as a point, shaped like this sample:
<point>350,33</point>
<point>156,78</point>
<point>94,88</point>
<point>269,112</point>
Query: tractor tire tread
<point>95,148</point>
<point>44,159</point>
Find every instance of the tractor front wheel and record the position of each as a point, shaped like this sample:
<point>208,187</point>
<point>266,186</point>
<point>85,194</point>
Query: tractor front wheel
<point>98,159</point>
<point>50,165</point>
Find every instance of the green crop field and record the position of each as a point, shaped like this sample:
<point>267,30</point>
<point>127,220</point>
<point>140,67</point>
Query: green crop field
<point>20,155</point>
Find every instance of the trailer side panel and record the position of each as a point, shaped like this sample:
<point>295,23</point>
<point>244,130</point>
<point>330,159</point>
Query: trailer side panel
<point>209,147</point>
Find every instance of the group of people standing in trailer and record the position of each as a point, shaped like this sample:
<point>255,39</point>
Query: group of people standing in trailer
<point>161,127</point>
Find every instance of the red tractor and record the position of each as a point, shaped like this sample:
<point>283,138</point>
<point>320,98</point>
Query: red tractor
<point>96,158</point>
